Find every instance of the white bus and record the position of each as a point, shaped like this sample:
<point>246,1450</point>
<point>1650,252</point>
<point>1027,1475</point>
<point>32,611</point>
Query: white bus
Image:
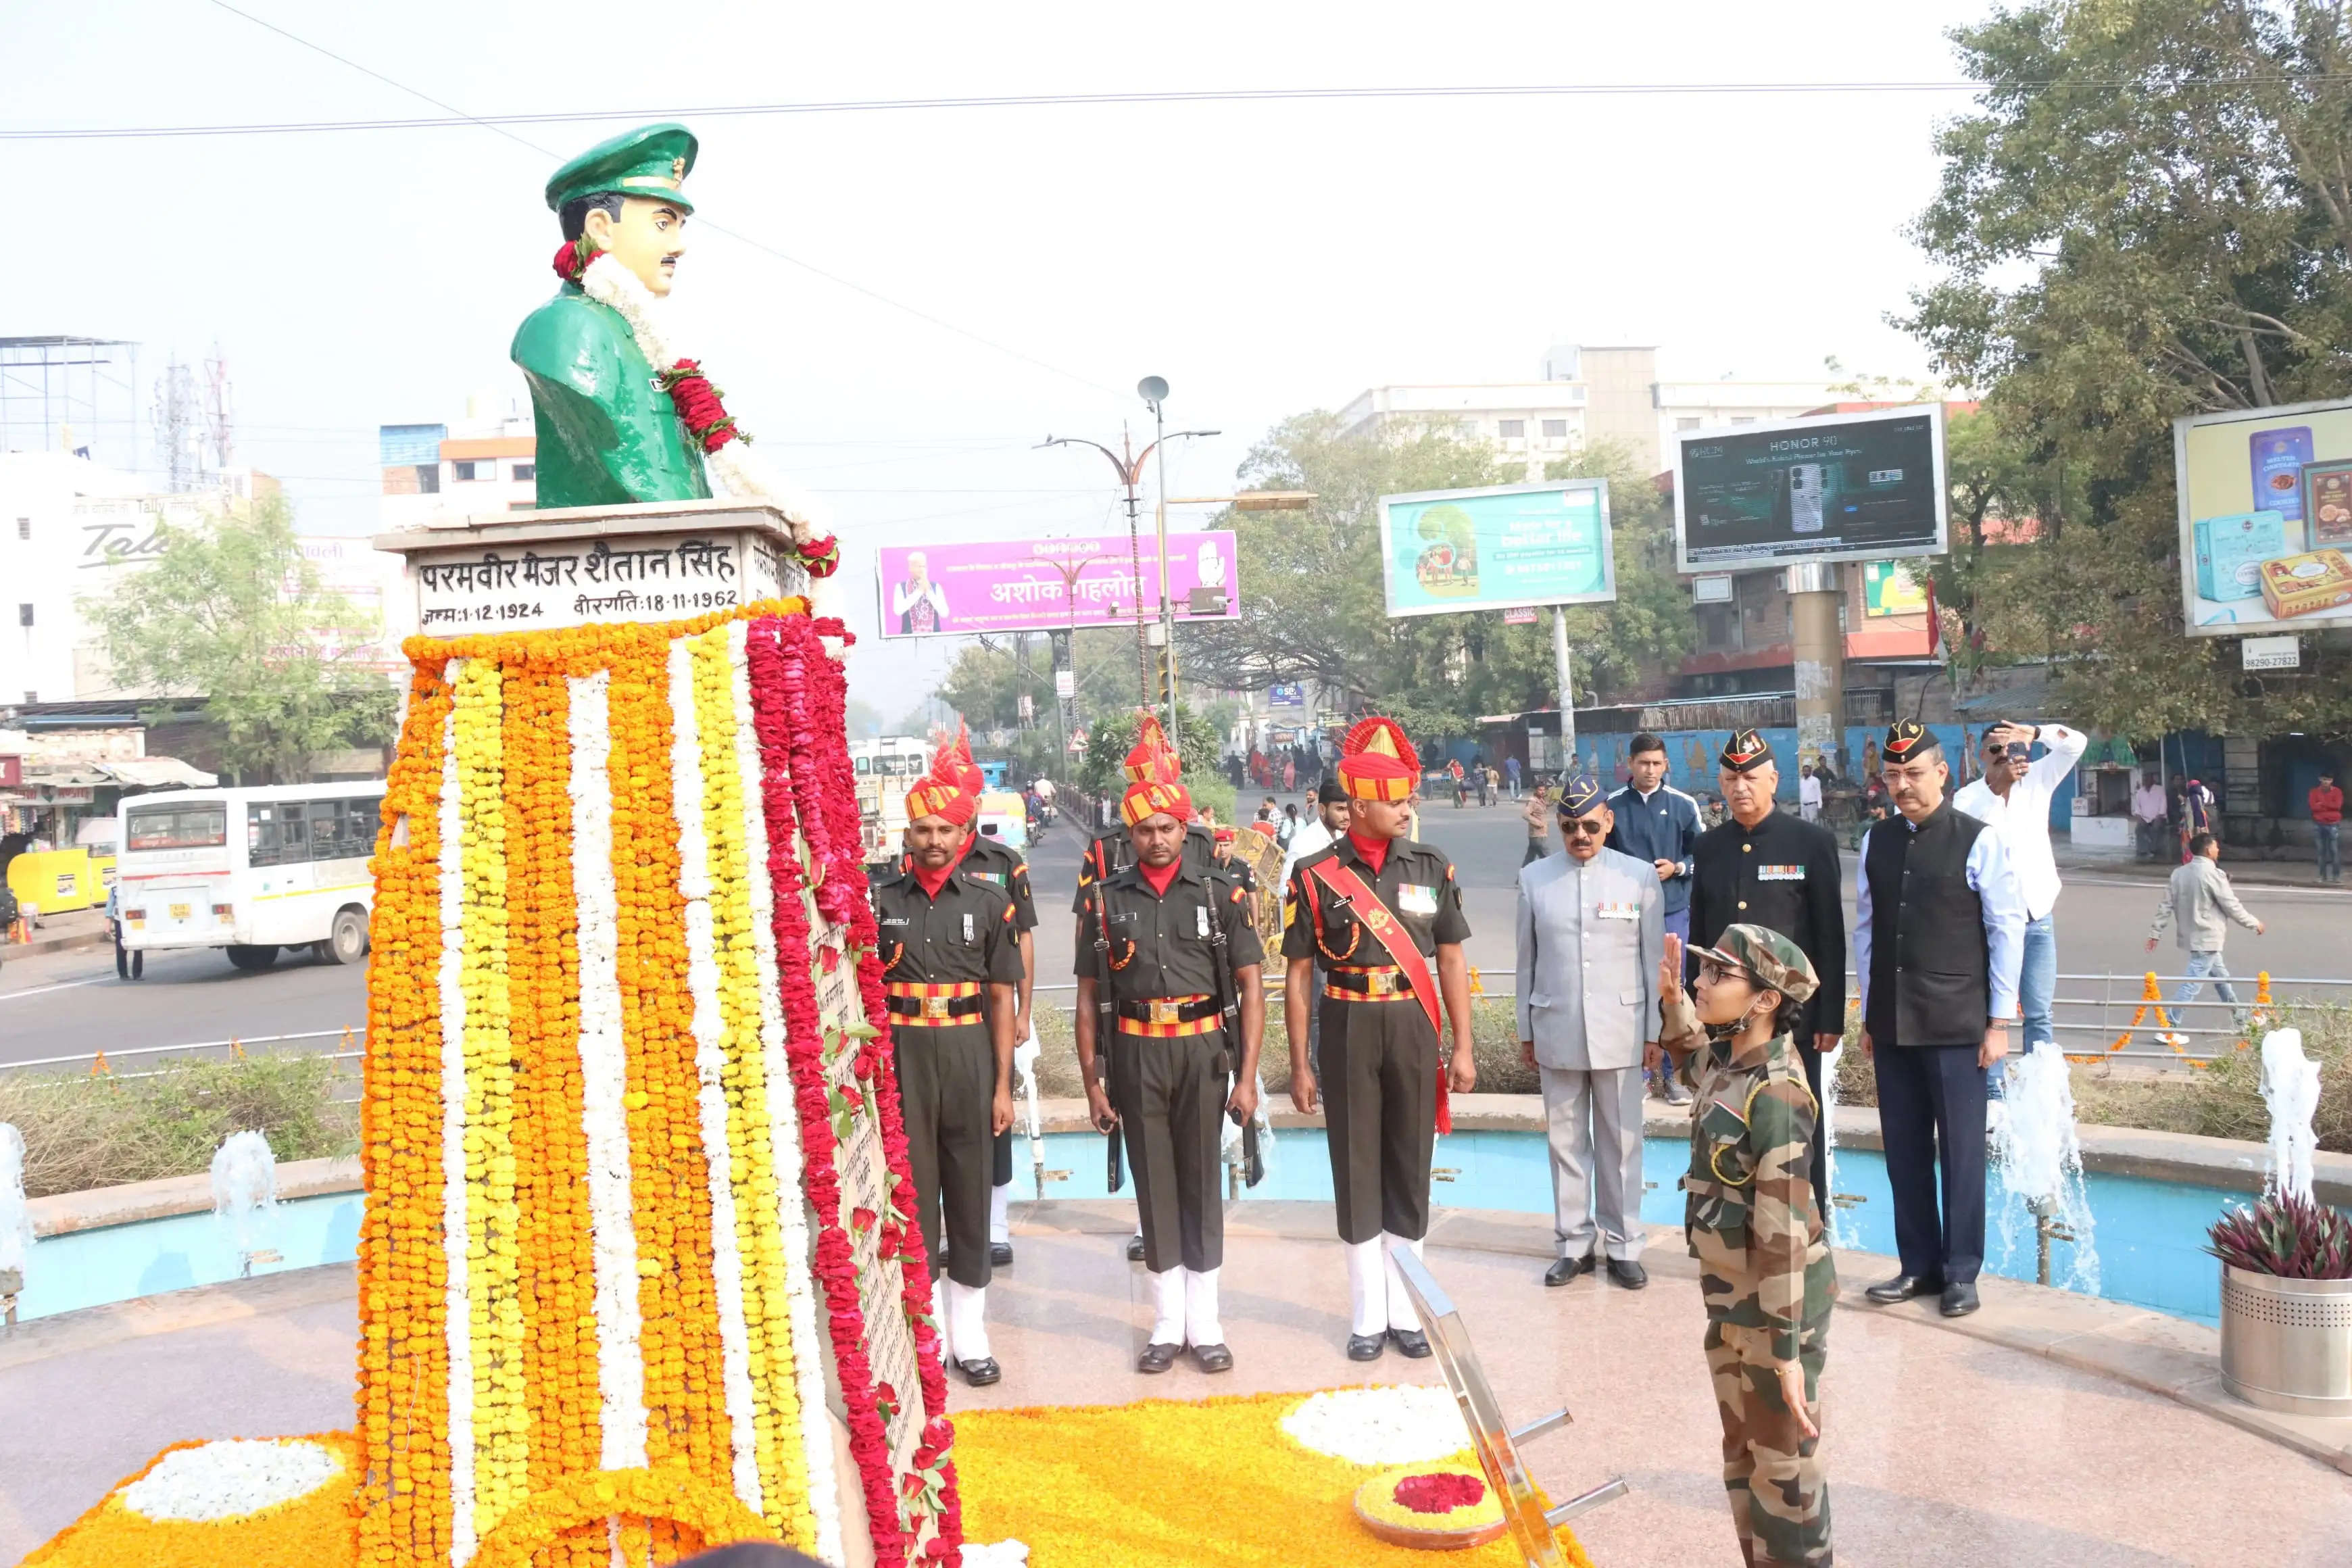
<point>252,870</point>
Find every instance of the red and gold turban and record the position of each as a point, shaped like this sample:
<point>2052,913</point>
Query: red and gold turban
<point>1377,763</point>
<point>1152,758</point>
<point>954,761</point>
<point>935,795</point>
<point>1149,797</point>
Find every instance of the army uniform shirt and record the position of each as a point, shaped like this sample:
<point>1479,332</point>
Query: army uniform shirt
<point>991,859</point>
<point>1113,850</point>
<point>1161,945</point>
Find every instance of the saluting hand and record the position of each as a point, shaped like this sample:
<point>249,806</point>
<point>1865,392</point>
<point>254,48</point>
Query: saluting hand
<point>1670,967</point>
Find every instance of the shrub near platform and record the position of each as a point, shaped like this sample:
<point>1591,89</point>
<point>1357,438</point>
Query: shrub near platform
<point>102,1131</point>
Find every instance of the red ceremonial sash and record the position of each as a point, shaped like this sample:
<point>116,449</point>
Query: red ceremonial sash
<point>1401,949</point>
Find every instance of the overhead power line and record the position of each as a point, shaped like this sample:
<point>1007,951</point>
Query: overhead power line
<point>1095,99</point>
<point>459,117</point>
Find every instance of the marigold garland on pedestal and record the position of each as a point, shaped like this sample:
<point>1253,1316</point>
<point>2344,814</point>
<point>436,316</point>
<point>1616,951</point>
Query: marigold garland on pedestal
<point>594,1130</point>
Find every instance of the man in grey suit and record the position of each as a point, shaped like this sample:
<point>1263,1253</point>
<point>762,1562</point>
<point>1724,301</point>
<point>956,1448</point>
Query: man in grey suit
<point>1591,932</point>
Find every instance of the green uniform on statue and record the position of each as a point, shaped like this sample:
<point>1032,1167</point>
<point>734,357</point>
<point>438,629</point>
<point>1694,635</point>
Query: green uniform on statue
<point>1755,1226</point>
<point>609,433</point>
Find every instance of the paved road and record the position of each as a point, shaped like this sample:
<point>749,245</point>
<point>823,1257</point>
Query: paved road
<point>62,1004</point>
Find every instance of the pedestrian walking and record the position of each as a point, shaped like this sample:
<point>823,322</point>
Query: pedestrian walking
<point>2013,795</point>
<point>950,966</point>
<point>1939,930</point>
<point>1537,815</point>
<point>2199,896</point>
<point>1511,774</point>
<point>1655,822</point>
<point>1753,1220</point>
<point>127,965</point>
<point>1808,794</point>
<point>1290,773</point>
<point>1591,932</point>
<point>1170,1064</point>
<point>2196,815</point>
<point>2149,817</point>
<point>1384,914</point>
<point>2327,804</point>
<point>1764,866</point>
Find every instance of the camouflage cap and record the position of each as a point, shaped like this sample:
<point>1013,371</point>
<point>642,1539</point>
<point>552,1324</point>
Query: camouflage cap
<point>1768,958</point>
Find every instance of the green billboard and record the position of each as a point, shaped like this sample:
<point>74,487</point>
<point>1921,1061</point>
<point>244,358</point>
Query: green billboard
<point>1498,548</point>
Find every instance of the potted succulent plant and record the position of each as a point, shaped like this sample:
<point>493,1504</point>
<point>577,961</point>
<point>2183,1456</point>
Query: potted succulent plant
<point>2286,1304</point>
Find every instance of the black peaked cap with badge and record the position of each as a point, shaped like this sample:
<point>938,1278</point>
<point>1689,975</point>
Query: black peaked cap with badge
<point>1746,751</point>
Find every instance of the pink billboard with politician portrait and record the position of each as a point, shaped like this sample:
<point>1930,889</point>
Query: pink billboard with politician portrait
<point>1051,585</point>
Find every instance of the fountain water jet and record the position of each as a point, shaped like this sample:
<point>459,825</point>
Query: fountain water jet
<point>2041,1160</point>
<point>245,1194</point>
<point>2291,1094</point>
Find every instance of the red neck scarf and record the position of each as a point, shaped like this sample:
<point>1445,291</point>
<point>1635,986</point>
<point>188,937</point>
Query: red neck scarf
<point>1374,852</point>
<point>1162,877</point>
<point>932,881</point>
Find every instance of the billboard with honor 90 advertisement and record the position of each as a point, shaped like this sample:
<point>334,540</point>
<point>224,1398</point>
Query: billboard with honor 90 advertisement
<point>1831,487</point>
<point>2266,519</point>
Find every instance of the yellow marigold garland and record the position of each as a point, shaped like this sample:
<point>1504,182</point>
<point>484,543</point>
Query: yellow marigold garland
<point>686,1415</point>
<point>315,1530</point>
<point>783,1471</point>
<point>404,1496</point>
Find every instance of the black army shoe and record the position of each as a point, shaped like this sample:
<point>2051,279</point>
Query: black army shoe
<point>1626,1272</point>
<point>1902,1288</point>
<point>1564,1269</point>
<point>981,1374</point>
<point>1135,1249</point>
<point>1959,1300</point>
<point>1212,1358</point>
<point>1366,1347</point>
<point>1411,1342</point>
<point>1158,1358</point>
<point>1000,1254</point>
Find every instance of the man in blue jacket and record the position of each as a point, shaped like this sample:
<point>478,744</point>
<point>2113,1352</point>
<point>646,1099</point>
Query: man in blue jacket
<point>1659,824</point>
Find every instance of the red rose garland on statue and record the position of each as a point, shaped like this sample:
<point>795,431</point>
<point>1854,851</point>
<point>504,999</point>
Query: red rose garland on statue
<point>700,406</point>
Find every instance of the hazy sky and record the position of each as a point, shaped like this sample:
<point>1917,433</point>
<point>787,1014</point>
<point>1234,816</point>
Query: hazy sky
<point>1264,258</point>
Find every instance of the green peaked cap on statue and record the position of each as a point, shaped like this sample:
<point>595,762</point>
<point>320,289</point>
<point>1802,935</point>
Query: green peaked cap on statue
<point>653,161</point>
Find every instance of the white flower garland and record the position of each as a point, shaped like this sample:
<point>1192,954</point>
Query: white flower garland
<point>740,473</point>
<point>996,1554</point>
<point>457,1306</point>
<point>784,1125</point>
<point>229,1479</point>
<point>710,1071</point>
<point>1378,1426</point>
<point>604,1081</point>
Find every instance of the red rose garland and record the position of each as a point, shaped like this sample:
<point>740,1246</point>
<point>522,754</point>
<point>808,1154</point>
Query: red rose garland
<point>1441,1492</point>
<point>781,653</point>
<point>700,408</point>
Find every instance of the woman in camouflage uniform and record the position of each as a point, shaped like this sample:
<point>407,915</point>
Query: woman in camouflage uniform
<point>1755,1226</point>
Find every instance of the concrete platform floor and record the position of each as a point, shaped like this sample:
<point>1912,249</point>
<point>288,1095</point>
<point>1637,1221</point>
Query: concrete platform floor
<point>1944,1448</point>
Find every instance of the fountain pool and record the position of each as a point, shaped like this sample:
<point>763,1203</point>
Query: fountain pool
<point>2151,1232</point>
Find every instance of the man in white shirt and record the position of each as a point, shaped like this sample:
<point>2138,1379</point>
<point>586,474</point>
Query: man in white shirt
<point>1314,836</point>
<point>1808,794</point>
<point>2013,798</point>
<point>2148,816</point>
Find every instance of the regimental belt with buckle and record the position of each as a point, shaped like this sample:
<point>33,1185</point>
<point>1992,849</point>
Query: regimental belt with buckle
<point>1368,983</point>
<point>935,1006</point>
<point>1164,1017</point>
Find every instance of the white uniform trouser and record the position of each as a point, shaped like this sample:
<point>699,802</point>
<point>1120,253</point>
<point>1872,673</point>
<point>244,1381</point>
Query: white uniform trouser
<point>1186,1306</point>
<point>1375,1290</point>
<point>961,1311</point>
<point>1000,1214</point>
<point>1594,1119</point>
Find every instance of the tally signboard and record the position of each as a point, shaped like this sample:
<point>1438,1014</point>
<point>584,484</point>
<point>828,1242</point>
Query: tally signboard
<point>1835,486</point>
<point>1051,585</point>
<point>2265,497</point>
<point>1496,549</point>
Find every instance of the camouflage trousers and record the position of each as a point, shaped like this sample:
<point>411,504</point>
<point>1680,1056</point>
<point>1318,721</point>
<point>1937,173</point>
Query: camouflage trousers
<point>1780,1494</point>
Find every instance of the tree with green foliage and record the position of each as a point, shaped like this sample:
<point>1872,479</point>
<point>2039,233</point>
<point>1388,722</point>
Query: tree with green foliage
<point>1112,735</point>
<point>230,611</point>
<point>1314,606</point>
<point>2149,215</point>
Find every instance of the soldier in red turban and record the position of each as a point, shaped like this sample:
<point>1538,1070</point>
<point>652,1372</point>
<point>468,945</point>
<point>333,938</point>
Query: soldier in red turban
<point>1382,916</point>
